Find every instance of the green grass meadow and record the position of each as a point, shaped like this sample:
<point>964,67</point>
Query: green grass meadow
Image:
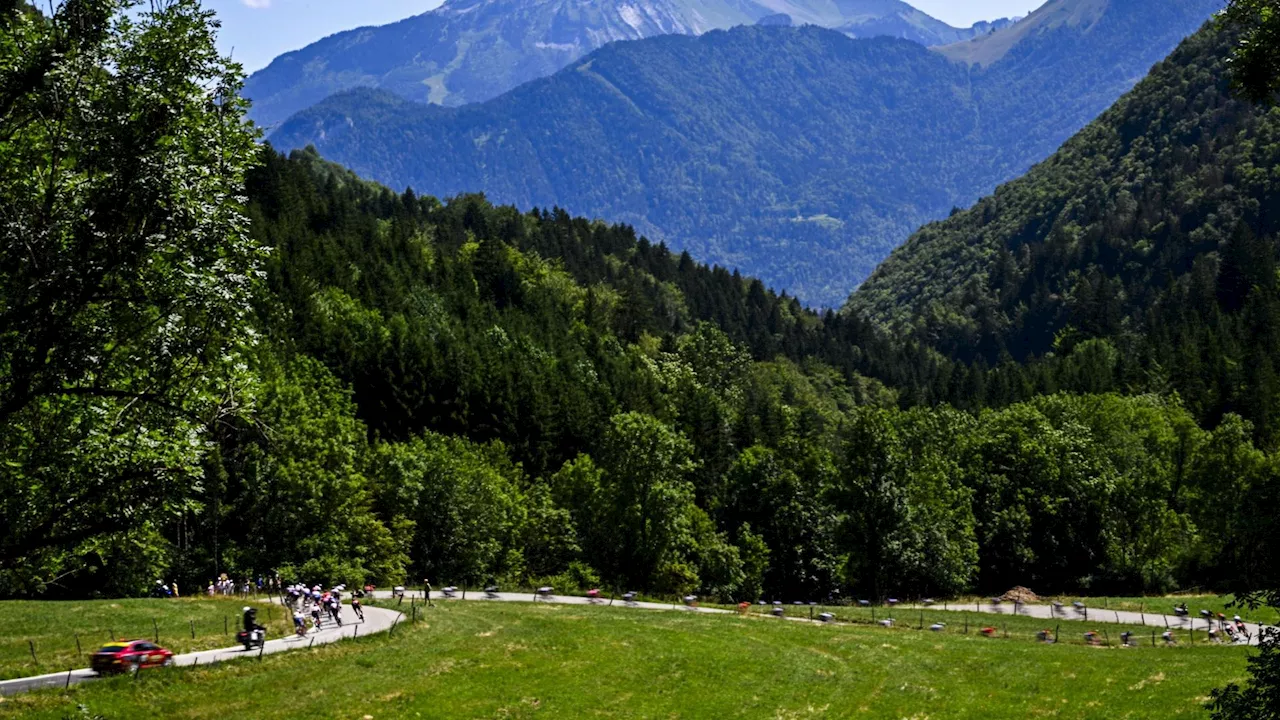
<point>53,627</point>
<point>505,660</point>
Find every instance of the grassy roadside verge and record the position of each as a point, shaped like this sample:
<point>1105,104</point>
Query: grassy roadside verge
<point>52,627</point>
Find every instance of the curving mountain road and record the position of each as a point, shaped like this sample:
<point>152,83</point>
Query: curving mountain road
<point>375,620</point>
<point>1046,612</point>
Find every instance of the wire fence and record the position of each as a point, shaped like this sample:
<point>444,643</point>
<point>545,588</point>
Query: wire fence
<point>71,642</point>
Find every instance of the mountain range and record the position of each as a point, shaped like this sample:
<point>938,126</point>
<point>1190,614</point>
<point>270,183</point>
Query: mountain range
<point>473,50</point>
<point>796,154</point>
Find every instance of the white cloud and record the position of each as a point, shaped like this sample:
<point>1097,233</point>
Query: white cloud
<point>257,4</point>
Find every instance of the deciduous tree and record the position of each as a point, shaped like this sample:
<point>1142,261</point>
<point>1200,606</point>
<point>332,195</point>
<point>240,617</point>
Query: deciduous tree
<point>125,269</point>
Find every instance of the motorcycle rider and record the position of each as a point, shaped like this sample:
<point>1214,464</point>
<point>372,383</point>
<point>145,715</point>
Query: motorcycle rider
<point>251,619</point>
<point>252,630</point>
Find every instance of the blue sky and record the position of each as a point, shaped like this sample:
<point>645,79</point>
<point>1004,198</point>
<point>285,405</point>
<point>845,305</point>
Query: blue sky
<point>255,31</point>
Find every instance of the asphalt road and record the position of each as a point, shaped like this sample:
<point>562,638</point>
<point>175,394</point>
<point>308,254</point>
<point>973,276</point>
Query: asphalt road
<point>438,596</point>
<point>375,620</point>
<point>1046,612</point>
<point>1095,615</point>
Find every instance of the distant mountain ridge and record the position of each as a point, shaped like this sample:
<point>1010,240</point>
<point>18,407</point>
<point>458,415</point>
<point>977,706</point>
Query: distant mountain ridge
<point>900,20</point>
<point>986,48</point>
<point>798,155</point>
<point>474,50</point>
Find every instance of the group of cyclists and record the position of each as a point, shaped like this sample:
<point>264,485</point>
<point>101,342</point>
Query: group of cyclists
<point>319,604</point>
<point>1232,631</point>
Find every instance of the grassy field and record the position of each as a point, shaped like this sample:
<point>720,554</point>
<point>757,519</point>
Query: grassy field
<point>517,661</point>
<point>53,627</point>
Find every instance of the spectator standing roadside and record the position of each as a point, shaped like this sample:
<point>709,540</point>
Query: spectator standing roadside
<point>426,591</point>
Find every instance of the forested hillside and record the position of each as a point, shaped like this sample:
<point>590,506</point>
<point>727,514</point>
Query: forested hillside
<point>797,155</point>
<point>542,401</point>
<point>1143,251</point>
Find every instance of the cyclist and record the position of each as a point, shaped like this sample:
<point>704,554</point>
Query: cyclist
<point>355,604</point>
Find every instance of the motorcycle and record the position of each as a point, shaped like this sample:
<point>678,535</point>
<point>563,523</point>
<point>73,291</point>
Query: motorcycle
<point>251,639</point>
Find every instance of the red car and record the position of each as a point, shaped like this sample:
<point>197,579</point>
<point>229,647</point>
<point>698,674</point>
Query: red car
<point>128,656</point>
